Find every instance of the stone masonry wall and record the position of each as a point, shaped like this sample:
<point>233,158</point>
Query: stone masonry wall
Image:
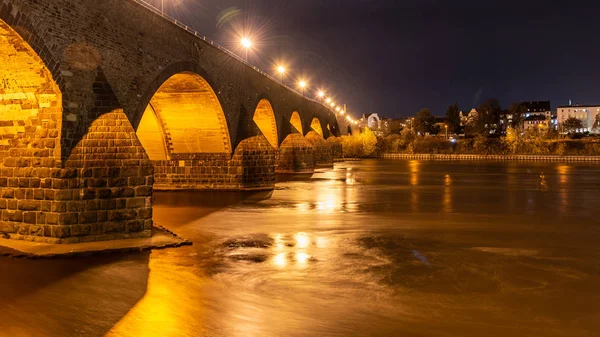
<point>251,167</point>
<point>323,153</point>
<point>296,156</point>
<point>336,147</point>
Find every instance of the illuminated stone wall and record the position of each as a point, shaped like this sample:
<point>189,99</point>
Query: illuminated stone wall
<point>252,166</point>
<point>80,76</point>
<point>264,117</point>
<point>296,156</point>
<point>323,150</point>
<point>337,149</point>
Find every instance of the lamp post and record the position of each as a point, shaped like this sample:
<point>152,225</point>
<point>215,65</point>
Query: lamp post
<point>162,7</point>
<point>446,126</point>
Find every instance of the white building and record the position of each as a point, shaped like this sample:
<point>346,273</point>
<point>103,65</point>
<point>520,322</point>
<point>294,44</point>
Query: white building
<point>585,113</point>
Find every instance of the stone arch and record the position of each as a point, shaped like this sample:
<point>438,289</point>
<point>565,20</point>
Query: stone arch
<point>264,117</point>
<point>152,136</point>
<point>189,115</point>
<point>30,103</point>
<point>315,125</point>
<point>296,122</point>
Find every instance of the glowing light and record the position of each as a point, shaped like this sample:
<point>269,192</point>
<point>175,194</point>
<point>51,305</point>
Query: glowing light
<point>281,69</point>
<point>332,104</point>
<point>321,94</point>
<point>302,258</point>
<point>302,240</point>
<point>337,109</point>
<point>302,84</point>
<point>246,42</point>
<point>328,100</point>
<point>280,260</point>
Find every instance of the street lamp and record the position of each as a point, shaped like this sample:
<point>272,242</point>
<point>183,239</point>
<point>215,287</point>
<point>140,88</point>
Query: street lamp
<point>446,126</point>
<point>321,94</point>
<point>281,71</point>
<point>247,44</point>
<point>328,100</point>
<point>302,85</point>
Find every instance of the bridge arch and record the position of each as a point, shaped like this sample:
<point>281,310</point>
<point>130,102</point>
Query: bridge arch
<point>296,122</point>
<point>315,125</point>
<point>187,112</point>
<point>30,98</point>
<point>264,117</point>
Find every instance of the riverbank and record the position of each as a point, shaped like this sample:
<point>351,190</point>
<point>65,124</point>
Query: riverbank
<point>446,157</point>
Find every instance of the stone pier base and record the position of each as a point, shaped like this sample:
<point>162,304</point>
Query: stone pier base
<point>296,156</point>
<point>252,167</point>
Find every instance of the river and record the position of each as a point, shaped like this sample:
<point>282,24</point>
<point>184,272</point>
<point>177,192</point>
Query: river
<point>371,248</point>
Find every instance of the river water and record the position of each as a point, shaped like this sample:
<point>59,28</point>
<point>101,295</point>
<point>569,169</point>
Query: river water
<point>371,248</point>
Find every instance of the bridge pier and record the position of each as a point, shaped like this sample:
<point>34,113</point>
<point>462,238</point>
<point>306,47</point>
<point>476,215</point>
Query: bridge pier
<point>336,147</point>
<point>323,150</point>
<point>251,167</point>
<point>296,156</point>
<point>89,129</point>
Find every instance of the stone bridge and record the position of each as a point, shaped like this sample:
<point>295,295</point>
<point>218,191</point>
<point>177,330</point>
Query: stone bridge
<point>103,101</point>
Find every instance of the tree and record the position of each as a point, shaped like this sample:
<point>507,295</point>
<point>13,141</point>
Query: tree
<point>453,118</point>
<point>572,124</point>
<point>368,141</point>
<point>395,126</point>
<point>597,123</point>
<point>424,121</point>
<point>517,110</point>
<point>488,120</point>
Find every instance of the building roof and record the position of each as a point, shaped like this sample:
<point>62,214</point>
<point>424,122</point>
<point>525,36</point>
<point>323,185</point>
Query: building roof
<point>537,106</point>
<point>536,118</point>
<point>580,106</point>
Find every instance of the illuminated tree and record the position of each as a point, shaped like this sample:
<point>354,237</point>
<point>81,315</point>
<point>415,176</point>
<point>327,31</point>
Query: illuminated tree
<point>572,124</point>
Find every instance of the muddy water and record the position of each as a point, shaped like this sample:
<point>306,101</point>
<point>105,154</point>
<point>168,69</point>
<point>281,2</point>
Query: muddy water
<point>374,248</point>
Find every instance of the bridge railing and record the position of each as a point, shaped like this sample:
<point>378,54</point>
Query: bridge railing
<point>190,30</point>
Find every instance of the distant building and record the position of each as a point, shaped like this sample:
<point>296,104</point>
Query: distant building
<point>585,113</point>
<point>536,121</point>
<point>535,109</point>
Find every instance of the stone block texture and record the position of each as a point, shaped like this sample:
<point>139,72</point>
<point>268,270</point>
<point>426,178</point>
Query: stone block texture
<point>76,78</point>
<point>323,150</point>
<point>336,147</point>
<point>252,166</point>
<point>296,156</point>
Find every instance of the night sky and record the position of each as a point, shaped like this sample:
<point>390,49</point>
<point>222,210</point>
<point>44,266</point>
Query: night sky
<point>395,57</point>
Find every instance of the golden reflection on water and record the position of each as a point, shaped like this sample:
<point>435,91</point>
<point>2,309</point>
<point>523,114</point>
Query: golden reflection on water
<point>280,260</point>
<point>302,240</point>
<point>302,258</point>
<point>448,207</point>
<point>413,167</point>
<point>165,305</point>
<point>296,251</point>
<point>563,173</point>
<point>329,196</point>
